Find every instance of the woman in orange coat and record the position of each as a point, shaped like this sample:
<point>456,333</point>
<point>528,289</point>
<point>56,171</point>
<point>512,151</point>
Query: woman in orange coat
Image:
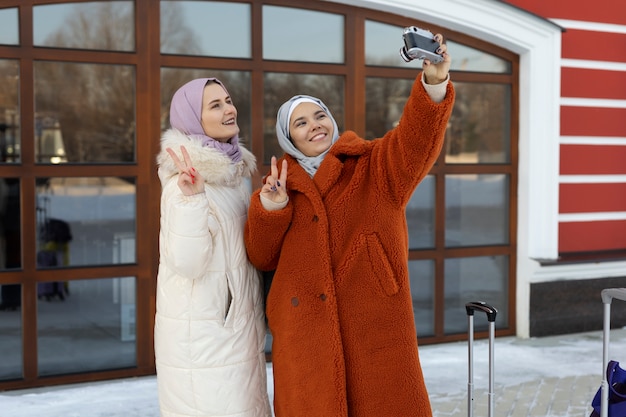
<point>334,229</point>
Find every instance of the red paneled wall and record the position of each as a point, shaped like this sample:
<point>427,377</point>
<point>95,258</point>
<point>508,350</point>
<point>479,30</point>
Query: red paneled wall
<point>592,195</point>
<point>606,11</point>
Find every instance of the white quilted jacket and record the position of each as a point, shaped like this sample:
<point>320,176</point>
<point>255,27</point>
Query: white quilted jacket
<point>209,326</point>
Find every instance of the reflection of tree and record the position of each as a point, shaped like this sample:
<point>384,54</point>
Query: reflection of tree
<point>9,121</point>
<point>95,103</point>
<point>480,122</point>
<point>104,25</point>
<point>385,100</point>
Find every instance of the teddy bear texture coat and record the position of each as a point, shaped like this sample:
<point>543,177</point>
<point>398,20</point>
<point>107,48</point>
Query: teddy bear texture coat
<point>340,307</point>
<point>209,326</point>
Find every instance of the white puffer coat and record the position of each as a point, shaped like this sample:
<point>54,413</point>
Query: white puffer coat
<point>209,328</point>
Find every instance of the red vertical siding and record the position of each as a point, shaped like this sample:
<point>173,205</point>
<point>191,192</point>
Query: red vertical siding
<point>607,11</point>
<point>593,160</point>
<point>591,198</point>
<point>576,82</point>
<point>593,121</point>
<point>596,46</point>
<point>592,236</point>
<point>602,48</point>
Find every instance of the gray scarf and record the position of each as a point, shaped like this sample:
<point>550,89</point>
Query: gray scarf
<point>309,163</point>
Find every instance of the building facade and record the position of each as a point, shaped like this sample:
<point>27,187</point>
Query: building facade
<point>525,208</point>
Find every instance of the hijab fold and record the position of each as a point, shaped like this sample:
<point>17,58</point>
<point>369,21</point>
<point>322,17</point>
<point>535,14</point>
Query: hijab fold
<point>309,163</point>
<point>186,116</point>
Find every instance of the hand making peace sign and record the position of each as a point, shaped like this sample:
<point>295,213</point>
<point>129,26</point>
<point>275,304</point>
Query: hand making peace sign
<point>190,181</point>
<point>275,187</point>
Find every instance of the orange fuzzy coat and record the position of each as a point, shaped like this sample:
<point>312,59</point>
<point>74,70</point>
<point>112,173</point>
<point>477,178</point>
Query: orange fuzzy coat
<point>340,307</point>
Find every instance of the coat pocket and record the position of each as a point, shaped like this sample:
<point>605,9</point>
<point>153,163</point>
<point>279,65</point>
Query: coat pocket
<point>381,267</point>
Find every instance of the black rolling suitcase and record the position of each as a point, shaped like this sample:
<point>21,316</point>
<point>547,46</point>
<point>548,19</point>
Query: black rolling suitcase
<point>491,318</point>
<point>610,399</point>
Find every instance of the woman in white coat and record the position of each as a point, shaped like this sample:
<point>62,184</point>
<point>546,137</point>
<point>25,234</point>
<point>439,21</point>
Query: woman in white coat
<point>209,328</point>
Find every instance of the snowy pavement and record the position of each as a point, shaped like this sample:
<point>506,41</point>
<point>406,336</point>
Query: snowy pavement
<point>553,376</point>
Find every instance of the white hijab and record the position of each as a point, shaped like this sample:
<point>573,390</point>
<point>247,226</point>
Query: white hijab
<point>309,163</point>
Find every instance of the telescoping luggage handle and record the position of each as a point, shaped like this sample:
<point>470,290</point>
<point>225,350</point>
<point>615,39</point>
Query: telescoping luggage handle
<point>607,296</point>
<point>491,318</point>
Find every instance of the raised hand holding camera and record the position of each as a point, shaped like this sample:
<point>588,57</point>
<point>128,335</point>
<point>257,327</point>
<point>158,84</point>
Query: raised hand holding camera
<point>422,44</point>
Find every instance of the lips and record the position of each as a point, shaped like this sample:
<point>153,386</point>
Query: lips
<point>229,122</point>
<point>317,137</point>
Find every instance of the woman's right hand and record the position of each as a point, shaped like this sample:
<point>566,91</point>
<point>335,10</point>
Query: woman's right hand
<point>275,187</point>
<point>190,181</point>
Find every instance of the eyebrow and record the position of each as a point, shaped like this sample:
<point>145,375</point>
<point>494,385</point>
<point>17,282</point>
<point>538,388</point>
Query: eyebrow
<point>217,100</point>
<point>314,114</point>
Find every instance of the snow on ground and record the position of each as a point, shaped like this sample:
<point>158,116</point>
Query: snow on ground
<point>445,369</point>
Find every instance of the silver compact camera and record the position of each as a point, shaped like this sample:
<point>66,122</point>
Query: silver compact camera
<point>419,44</point>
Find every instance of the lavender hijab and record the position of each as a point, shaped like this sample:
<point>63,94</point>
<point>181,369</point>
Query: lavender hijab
<point>186,116</point>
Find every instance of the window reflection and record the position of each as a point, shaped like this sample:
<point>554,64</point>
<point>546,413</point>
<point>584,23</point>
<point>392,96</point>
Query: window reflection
<point>482,278</point>
<point>104,25</point>
<point>9,111</point>
<point>237,83</point>
<point>477,210</point>
<point>192,28</point>
<point>479,131</point>
<point>385,100</point>
<point>465,58</point>
<point>286,38</point>
<point>85,221</point>
<point>10,230</point>
<point>11,331</point>
<point>85,113</point>
<point>383,43</point>
<point>280,87</point>
<point>422,282</point>
<point>9,22</point>
<point>91,329</point>
<point>420,215</point>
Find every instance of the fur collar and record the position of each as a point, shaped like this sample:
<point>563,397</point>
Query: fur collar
<point>214,166</point>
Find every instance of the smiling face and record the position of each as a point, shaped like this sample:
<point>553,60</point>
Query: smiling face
<point>219,115</point>
<point>311,129</point>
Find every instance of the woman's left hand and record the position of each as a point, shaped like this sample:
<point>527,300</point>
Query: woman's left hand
<point>437,73</point>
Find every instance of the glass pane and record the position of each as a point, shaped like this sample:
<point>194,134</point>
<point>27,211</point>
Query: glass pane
<point>85,221</point>
<point>483,278</point>
<point>84,113</point>
<point>92,328</point>
<point>479,131</point>
<point>383,43</point>
<point>237,83</point>
<point>280,87</point>
<point>9,111</point>
<point>384,102</point>
<point>11,331</point>
<point>9,26</point>
<point>477,210</point>
<point>420,215</point>
<point>103,25</point>
<point>192,28</point>
<point>422,281</point>
<point>465,58</point>
<point>302,35</point>
<point>10,224</point>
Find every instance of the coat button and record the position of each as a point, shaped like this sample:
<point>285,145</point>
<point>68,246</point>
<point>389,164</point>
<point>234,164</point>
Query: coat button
<point>295,301</point>
<point>323,297</point>
<point>315,218</point>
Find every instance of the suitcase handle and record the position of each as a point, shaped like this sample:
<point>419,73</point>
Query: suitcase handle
<point>491,311</point>
<point>609,293</point>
